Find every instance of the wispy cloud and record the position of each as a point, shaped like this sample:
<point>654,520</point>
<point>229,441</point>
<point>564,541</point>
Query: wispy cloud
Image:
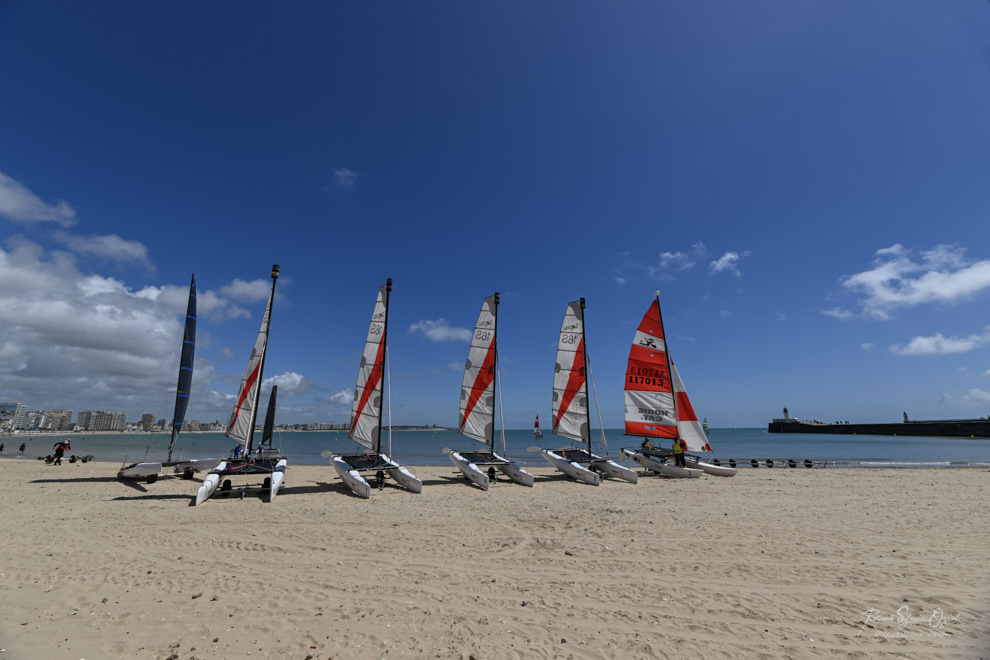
<point>440,330</point>
<point>868,347</point>
<point>18,203</point>
<point>343,398</point>
<point>977,396</point>
<point>674,262</point>
<point>345,178</point>
<point>838,313</point>
<point>939,345</point>
<point>288,382</point>
<point>728,263</point>
<point>111,248</point>
<point>619,280</point>
<point>899,280</point>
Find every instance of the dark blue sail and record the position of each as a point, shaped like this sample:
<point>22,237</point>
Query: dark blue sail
<point>185,367</point>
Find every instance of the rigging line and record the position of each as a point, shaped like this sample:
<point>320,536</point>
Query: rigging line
<point>501,420</point>
<point>388,378</point>
<point>594,391</point>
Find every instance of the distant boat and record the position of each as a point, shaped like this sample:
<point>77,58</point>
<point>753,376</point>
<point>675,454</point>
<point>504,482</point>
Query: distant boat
<point>476,417</point>
<point>244,460</point>
<point>366,413</point>
<point>150,471</point>
<point>571,412</point>
<point>536,428</point>
<point>657,405</point>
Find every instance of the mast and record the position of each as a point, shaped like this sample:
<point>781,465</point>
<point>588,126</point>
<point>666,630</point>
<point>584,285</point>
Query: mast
<point>584,342</point>
<point>666,354</point>
<point>261,369</point>
<point>377,445</point>
<point>495,348</point>
<point>186,358</point>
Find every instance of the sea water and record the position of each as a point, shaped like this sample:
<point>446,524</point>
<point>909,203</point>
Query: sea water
<point>425,447</point>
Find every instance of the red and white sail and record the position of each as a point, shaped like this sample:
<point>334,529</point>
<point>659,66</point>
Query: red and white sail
<point>477,410</point>
<point>649,392</point>
<point>688,426</point>
<point>366,411</point>
<point>240,427</point>
<point>536,428</point>
<point>570,382</point>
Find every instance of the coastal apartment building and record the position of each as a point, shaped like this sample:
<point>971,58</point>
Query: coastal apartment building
<point>15,416</point>
<point>12,415</point>
<point>101,420</point>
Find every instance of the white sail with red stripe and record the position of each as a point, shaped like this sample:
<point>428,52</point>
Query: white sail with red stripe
<point>240,427</point>
<point>366,411</point>
<point>649,392</point>
<point>536,428</point>
<point>570,382</point>
<point>688,426</point>
<point>477,409</point>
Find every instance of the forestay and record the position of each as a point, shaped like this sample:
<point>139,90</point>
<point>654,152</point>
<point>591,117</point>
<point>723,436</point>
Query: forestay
<point>649,394</point>
<point>477,407</point>
<point>366,413</point>
<point>570,383</point>
<point>240,428</point>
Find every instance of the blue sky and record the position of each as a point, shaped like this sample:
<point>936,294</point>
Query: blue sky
<point>805,183</point>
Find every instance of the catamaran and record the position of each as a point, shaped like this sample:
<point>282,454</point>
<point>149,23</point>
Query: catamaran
<point>366,413</point>
<point>477,409</point>
<point>657,405</point>
<point>537,433</point>
<point>244,460</point>
<point>149,471</point>
<point>571,413</point>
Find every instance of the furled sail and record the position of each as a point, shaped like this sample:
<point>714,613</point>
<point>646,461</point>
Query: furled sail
<point>366,412</point>
<point>268,430</point>
<point>240,428</point>
<point>570,382</point>
<point>688,426</point>
<point>186,358</point>
<point>477,409</point>
<point>649,393</point>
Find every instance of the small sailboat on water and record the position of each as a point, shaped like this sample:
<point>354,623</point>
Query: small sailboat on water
<point>537,433</point>
<point>244,459</point>
<point>658,407</point>
<point>571,412</point>
<point>476,419</point>
<point>150,471</point>
<point>366,413</point>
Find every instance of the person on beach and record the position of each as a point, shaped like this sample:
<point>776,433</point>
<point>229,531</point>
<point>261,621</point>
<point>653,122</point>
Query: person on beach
<point>60,448</point>
<point>1,447</point>
<point>23,447</point>
<point>647,445</point>
<point>678,453</point>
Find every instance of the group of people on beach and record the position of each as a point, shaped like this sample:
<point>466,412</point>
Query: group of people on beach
<point>23,447</point>
<point>678,449</point>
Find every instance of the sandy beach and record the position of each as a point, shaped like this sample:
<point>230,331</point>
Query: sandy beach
<point>853,563</point>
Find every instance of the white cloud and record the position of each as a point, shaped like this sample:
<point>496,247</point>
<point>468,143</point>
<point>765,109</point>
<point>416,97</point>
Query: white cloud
<point>343,398</point>
<point>111,248</point>
<point>288,382</point>
<point>345,178</point>
<point>868,347</point>
<point>728,263</point>
<point>619,280</point>
<point>673,262</point>
<point>18,203</point>
<point>977,396</point>
<point>440,330</point>
<point>838,313</point>
<point>725,312</point>
<point>78,340</point>
<point>897,280</point>
<point>939,345</point>
<point>456,366</point>
<point>247,292</point>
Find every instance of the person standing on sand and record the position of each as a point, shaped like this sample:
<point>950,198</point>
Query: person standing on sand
<point>60,448</point>
<point>1,447</point>
<point>23,447</point>
<point>678,453</point>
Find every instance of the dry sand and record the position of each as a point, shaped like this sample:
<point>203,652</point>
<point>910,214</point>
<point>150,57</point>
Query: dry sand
<point>859,563</point>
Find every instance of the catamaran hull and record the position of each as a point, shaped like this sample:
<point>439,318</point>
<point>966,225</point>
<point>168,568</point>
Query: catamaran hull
<point>278,476</point>
<point>407,479</point>
<point>715,470</point>
<point>139,471</point>
<point>661,467</point>
<point>351,478</point>
<point>145,470</point>
<point>210,484</point>
<point>516,473</point>
<point>614,470</point>
<point>573,470</point>
<point>470,470</point>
